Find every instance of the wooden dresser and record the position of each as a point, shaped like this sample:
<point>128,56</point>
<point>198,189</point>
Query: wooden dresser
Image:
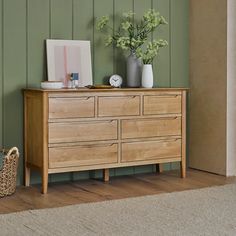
<point>74,130</point>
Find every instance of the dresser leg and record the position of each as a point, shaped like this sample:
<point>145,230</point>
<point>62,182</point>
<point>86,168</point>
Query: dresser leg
<point>106,175</point>
<point>27,176</point>
<point>44,182</point>
<point>159,168</point>
<point>183,169</point>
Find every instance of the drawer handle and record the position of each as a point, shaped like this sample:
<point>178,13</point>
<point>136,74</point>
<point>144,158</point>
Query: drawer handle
<point>89,122</point>
<point>167,140</point>
<point>97,145</point>
<point>83,98</point>
<point>79,98</point>
<point>169,118</point>
<point>168,95</point>
<point>131,97</point>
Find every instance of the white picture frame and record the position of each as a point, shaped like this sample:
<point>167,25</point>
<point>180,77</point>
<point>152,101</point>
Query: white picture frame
<point>69,56</point>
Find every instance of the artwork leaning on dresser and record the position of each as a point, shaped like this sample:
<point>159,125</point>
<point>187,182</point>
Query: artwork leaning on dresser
<point>70,130</point>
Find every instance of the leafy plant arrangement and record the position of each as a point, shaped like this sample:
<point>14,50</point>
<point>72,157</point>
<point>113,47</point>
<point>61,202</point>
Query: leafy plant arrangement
<point>151,50</point>
<point>131,35</point>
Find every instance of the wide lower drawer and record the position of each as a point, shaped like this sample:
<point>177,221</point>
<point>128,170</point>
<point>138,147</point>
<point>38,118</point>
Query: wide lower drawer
<point>162,104</point>
<point>151,150</point>
<point>84,155</point>
<point>119,106</point>
<point>143,128</point>
<point>82,131</point>
<point>71,107</point>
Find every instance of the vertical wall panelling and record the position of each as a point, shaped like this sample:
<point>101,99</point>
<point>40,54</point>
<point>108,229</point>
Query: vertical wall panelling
<point>179,43</point>
<point>61,19</point>
<point>103,57</point>
<point>121,6</point>
<point>1,73</point>
<point>161,64</point>
<point>14,71</point>
<point>83,20</point>
<point>140,7</point>
<point>38,32</point>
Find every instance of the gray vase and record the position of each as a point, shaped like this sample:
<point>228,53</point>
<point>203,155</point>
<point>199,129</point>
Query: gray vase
<point>134,71</point>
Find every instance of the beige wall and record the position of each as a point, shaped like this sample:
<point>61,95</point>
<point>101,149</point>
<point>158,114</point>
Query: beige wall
<point>231,88</point>
<point>208,84</point>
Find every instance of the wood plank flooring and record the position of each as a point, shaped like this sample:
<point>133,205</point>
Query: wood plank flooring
<point>63,194</point>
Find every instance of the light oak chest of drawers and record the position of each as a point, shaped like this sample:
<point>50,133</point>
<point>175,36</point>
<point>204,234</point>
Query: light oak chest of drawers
<point>75,130</point>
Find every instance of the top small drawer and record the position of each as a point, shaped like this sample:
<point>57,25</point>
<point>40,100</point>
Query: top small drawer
<point>162,104</point>
<point>128,105</point>
<point>71,107</point>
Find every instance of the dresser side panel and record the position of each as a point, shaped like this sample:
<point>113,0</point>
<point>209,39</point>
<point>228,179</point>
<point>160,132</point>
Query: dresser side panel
<point>34,128</point>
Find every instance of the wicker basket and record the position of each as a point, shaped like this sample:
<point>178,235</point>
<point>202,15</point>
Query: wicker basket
<point>8,172</point>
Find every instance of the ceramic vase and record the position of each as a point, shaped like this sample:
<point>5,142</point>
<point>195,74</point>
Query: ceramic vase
<point>134,71</point>
<point>147,76</point>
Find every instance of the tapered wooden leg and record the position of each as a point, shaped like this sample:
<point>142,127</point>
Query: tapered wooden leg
<point>44,182</point>
<point>106,175</point>
<point>27,176</point>
<point>159,168</point>
<point>183,169</point>
<point>183,159</point>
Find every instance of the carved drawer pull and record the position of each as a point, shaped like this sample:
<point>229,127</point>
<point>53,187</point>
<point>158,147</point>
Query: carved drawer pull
<point>97,145</point>
<point>167,140</point>
<point>168,95</point>
<point>169,118</point>
<point>134,96</point>
<point>79,98</point>
<point>128,96</point>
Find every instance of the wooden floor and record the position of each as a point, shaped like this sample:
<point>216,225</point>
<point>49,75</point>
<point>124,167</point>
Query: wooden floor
<point>63,194</point>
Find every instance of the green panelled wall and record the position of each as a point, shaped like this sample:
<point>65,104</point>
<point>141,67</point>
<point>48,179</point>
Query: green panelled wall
<point>25,24</point>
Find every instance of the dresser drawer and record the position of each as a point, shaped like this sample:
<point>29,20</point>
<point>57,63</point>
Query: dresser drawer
<point>147,128</point>
<point>82,131</point>
<point>83,155</point>
<point>119,106</point>
<point>71,107</point>
<point>151,150</point>
<point>162,104</point>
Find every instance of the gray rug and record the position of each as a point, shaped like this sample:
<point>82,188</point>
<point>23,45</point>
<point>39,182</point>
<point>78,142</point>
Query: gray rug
<point>209,211</point>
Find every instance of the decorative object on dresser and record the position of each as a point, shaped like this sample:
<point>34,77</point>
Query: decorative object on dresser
<point>116,81</point>
<point>131,36</point>
<point>69,61</point>
<point>148,56</point>
<point>102,129</point>
<point>52,85</point>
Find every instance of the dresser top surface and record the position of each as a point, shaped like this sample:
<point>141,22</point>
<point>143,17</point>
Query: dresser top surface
<point>105,90</point>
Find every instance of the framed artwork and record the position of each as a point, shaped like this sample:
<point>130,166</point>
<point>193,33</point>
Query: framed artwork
<point>66,57</point>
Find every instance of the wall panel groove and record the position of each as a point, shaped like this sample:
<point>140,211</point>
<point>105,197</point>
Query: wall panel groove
<point>179,43</point>
<point>14,36</point>
<point>61,19</point>
<point>161,64</point>
<point>103,56</point>
<point>38,31</point>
